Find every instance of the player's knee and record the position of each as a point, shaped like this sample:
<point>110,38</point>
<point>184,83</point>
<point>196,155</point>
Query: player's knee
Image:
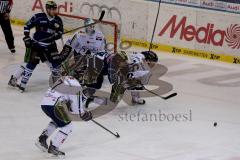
<point>67,128</point>
<point>31,66</point>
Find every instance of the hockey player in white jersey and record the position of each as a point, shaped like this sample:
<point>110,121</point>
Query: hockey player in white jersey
<point>53,105</point>
<point>91,40</point>
<point>89,43</point>
<point>130,72</point>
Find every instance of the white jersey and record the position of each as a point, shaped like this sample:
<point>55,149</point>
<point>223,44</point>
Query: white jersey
<point>81,42</point>
<point>141,70</point>
<point>52,96</point>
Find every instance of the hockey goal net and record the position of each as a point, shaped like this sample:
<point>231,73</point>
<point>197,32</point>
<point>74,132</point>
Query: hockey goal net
<point>109,29</point>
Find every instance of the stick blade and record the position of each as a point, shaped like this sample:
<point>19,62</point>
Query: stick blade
<point>170,96</point>
<point>117,135</point>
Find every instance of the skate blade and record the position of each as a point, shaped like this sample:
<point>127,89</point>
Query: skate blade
<point>39,146</point>
<point>138,103</point>
<point>51,156</point>
<point>19,88</point>
<point>12,86</point>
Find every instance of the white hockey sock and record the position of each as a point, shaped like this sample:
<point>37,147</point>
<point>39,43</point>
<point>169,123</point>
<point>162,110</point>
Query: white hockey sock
<point>26,76</point>
<point>62,135</point>
<point>19,72</point>
<point>50,129</point>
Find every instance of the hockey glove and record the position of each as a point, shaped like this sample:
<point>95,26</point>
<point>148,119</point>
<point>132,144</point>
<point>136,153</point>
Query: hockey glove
<point>57,35</point>
<point>28,41</point>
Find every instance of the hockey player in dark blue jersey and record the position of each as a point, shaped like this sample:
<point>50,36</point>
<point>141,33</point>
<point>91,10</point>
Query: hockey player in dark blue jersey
<point>42,46</point>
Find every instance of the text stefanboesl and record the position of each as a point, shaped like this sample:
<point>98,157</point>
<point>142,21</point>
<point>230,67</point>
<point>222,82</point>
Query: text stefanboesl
<point>159,116</point>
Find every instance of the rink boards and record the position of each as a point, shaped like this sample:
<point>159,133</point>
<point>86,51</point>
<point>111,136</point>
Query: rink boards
<point>180,30</point>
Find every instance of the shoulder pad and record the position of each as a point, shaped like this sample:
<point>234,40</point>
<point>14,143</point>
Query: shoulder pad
<point>82,33</point>
<point>40,15</point>
<point>99,34</point>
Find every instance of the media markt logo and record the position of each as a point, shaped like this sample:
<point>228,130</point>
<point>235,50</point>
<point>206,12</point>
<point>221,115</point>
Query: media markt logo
<point>233,36</point>
<point>205,34</point>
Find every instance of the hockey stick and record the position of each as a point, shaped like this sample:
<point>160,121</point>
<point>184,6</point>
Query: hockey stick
<point>164,98</point>
<point>85,26</point>
<point>150,47</point>
<point>79,109</point>
<point>116,135</point>
<point>155,25</point>
<point>98,21</point>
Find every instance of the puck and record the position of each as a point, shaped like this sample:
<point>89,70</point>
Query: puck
<point>215,124</point>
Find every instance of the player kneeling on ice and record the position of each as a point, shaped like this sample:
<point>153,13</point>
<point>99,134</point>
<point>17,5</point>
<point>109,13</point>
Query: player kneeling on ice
<point>66,93</point>
<point>130,72</point>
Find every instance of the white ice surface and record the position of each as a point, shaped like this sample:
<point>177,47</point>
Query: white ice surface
<point>21,119</point>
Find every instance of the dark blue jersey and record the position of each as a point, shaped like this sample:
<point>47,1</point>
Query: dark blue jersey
<point>46,28</point>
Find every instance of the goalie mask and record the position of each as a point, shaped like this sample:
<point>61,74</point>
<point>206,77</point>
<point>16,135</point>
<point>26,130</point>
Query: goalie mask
<point>90,29</point>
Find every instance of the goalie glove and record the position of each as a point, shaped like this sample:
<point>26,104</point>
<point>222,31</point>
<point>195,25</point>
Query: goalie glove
<point>64,54</point>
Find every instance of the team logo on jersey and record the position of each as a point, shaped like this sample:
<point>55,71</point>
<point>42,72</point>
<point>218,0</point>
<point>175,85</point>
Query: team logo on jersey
<point>56,25</point>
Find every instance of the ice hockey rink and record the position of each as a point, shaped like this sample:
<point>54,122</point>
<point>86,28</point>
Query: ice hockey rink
<point>207,90</point>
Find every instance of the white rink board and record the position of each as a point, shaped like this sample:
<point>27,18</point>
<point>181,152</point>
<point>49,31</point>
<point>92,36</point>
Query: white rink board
<point>136,20</point>
<point>198,19</point>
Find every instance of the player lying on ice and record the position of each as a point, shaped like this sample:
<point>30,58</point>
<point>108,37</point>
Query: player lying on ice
<point>42,46</point>
<point>89,58</point>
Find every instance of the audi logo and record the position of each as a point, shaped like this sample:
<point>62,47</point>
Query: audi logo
<point>109,10</point>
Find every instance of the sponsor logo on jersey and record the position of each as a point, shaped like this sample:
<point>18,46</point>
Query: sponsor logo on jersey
<point>43,22</point>
<point>208,34</point>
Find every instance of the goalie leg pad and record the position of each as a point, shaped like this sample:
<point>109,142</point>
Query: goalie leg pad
<point>55,69</point>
